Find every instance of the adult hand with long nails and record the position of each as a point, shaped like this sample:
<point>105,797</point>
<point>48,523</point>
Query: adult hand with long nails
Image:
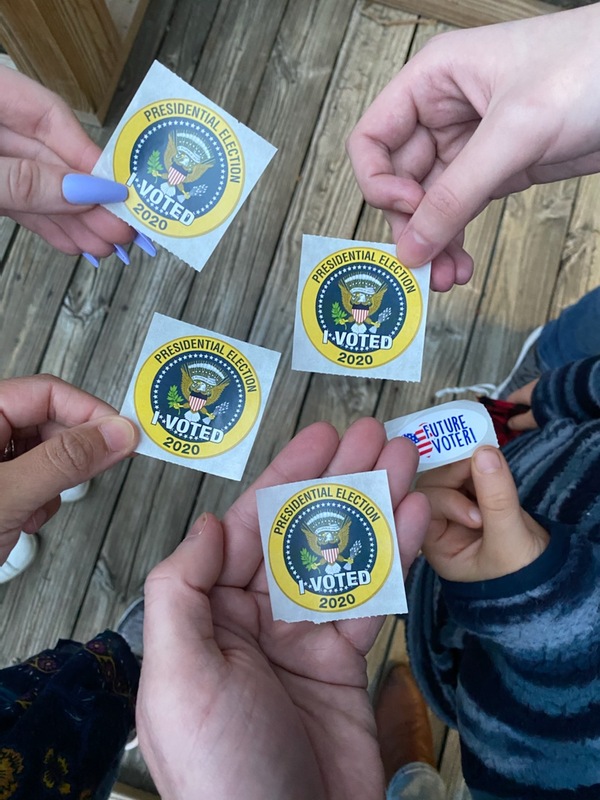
<point>53,436</point>
<point>45,156</point>
<point>475,115</point>
<point>478,529</point>
<point>234,704</point>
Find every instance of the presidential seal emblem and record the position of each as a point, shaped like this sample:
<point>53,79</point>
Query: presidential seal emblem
<point>330,548</point>
<point>197,397</point>
<point>361,308</point>
<point>184,167</point>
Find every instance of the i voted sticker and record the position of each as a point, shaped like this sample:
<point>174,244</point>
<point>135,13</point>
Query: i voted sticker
<point>330,548</point>
<point>445,433</point>
<point>189,165</point>
<point>199,396</point>
<point>359,311</point>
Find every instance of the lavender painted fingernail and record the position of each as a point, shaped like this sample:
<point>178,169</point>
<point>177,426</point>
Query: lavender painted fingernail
<point>92,259</point>
<point>88,189</point>
<point>144,243</point>
<point>122,254</point>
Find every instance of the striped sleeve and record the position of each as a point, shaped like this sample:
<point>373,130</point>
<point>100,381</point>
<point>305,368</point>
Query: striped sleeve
<point>528,694</point>
<point>569,392</point>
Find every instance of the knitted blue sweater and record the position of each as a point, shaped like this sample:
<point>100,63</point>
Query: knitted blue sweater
<point>514,663</point>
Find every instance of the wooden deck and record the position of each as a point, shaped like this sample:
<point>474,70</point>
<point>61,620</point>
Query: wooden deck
<point>300,74</point>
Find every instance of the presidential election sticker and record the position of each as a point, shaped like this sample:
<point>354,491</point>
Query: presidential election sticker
<point>188,165</point>
<point>359,311</point>
<point>330,548</point>
<point>199,396</point>
<point>445,433</point>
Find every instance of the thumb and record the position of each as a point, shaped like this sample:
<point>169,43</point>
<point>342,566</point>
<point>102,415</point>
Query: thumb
<point>178,623</point>
<point>511,539</point>
<point>40,188</point>
<point>70,457</point>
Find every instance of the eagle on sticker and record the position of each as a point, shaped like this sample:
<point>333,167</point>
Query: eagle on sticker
<point>201,390</point>
<point>362,296</point>
<point>186,159</point>
<point>328,534</point>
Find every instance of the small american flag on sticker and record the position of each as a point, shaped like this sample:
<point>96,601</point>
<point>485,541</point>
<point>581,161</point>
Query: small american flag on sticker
<point>419,437</point>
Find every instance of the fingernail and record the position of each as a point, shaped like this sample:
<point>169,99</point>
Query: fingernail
<point>144,243</point>
<point>119,434</point>
<point>487,460</point>
<point>85,189</point>
<point>122,254</point>
<point>413,250</point>
<point>92,259</point>
<point>475,515</point>
<point>201,523</point>
<point>198,526</point>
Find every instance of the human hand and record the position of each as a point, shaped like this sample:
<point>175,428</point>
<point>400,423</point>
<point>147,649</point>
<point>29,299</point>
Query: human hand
<point>232,703</point>
<point>41,142</point>
<point>478,529</point>
<point>53,437</point>
<point>475,115</point>
<point>526,421</point>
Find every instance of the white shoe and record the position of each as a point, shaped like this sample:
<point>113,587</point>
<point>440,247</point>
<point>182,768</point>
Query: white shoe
<point>76,493</point>
<point>20,557</point>
<point>525,370</point>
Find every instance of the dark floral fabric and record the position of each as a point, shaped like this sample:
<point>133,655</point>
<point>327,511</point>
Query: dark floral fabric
<point>65,715</point>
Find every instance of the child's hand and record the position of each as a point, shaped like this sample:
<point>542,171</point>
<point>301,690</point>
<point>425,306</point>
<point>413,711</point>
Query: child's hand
<point>478,529</point>
<point>526,421</point>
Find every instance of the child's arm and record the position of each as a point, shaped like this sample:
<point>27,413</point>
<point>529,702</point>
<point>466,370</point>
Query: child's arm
<point>571,391</point>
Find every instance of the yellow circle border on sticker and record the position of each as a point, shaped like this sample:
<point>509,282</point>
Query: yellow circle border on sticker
<point>168,440</point>
<point>147,215</point>
<point>350,358</point>
<point>355,595</point>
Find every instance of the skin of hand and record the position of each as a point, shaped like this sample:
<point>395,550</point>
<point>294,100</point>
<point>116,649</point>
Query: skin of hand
<point>475,115</point>
<point>232,703</point>
<point>526,421</point>
<point>41,141</point>
<point>55,436</point>
<point>478,530</point>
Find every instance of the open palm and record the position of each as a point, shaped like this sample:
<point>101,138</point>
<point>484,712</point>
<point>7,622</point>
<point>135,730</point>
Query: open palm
<point>233,703</point>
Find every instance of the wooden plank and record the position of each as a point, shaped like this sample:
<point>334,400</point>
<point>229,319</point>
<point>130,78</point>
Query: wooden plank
<point>34,280</point>
<point>450,768</point>
<point>76,49</point>
<point>122,792</point>
<point>187,34</point>
<point>70,47</point>
<point>471,13</point>
<point>7,232</point>
<point>144,49</point>
<point>519,291</point>
<point>580,264</point>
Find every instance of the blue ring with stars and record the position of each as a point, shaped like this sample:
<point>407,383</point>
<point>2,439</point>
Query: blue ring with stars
<point>394,299</point>
<point>206,192</point>
<point>295,541</point>
<point>227,409</point>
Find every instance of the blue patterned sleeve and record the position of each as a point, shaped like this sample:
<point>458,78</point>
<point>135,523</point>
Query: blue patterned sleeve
<point>572,391</point>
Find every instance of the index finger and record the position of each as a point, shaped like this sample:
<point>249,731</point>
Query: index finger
<point>31,110</point>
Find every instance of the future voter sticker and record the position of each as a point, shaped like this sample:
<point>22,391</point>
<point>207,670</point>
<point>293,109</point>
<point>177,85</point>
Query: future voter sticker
<point>184,166</point>
<point>445,433</point>
<point>197,396</point>
<point>360,307</point>
<point>330,548</point>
